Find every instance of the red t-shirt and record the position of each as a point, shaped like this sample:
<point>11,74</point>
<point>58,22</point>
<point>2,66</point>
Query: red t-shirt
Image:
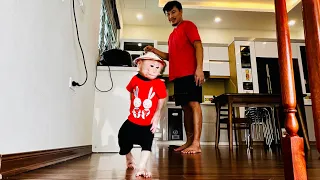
<point>182,54</point>
<point>144,99</point>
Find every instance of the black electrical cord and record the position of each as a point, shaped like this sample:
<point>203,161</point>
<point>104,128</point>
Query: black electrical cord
<point>95,80</point>
<point>74,83</point>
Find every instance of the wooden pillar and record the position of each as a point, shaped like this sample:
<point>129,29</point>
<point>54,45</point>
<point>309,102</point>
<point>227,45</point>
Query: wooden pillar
<point>311,15</point>
<point>292,144</point>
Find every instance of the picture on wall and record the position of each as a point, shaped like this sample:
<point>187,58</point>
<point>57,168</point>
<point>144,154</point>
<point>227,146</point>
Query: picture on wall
<point>246,75</point>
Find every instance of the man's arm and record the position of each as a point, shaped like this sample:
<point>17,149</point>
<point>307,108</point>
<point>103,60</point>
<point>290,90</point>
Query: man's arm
<point>163,55</point>
<point>199,56</point>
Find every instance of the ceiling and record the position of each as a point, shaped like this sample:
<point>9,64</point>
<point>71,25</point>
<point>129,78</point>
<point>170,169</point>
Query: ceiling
<point>204,17</point>
<point>236,5</point>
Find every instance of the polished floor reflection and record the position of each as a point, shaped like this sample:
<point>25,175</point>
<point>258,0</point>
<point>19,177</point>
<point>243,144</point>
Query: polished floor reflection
<point>211,164</point>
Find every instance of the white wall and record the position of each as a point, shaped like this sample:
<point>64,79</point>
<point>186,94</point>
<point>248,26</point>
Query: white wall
<point>38,54</point>
<point>226,36</point>
<point>119,10</point>
<point>300,34</point>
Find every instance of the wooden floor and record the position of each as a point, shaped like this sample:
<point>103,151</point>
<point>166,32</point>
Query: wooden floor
<point>211,164</point>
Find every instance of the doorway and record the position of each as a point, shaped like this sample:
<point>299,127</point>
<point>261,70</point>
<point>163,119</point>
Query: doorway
<point>269,76</point>
<point>269,82</point>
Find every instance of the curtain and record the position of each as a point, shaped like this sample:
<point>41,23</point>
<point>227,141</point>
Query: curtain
<point>109,25</point>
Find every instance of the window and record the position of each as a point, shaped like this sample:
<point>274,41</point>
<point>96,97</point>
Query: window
<point>109,25</point>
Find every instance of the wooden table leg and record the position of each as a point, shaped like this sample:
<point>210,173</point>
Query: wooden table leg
<point>230,132</point>
<point>218,107</point>
<point>303,127</point>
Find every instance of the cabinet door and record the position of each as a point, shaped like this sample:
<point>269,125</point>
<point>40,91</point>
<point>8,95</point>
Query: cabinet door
<point>266,49</point>
<point>206,64</point>
<point>208,133</point>
<point>163,48</point>
<point>206,57</point>
<point>218,68</point>
<point>218,53</point>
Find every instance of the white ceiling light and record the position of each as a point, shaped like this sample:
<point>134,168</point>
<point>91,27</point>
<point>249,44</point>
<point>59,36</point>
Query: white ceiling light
<point>139,17</point>
<point>292,22</point>
<point>217,19</point>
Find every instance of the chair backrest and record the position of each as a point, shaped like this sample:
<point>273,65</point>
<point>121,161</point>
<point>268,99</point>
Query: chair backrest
<point>224,112</point>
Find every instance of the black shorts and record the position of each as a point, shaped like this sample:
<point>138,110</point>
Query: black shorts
<point>186,90</point>
<point>130,134</point>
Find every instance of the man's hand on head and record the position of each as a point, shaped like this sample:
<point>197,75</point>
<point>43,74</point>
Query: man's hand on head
<point>148,48</point>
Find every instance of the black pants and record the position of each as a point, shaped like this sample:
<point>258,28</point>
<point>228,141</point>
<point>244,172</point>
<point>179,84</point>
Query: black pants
<point>130,134</point>
<point>186,90</point>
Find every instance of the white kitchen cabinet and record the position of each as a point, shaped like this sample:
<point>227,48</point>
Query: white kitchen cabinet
<point>206,64</point>
<point>108,117</point>
<point>266,49</point>
<point>163,48</point>
<point>208,133</point>
<point>206,56</point>
<point>270,49</point>
<point>219,68</point>
<point>218,53</point>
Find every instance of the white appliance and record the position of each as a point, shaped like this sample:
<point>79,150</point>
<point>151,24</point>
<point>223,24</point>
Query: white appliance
<point>111,108</point>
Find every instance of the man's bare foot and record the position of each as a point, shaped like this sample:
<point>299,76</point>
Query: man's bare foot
<point>187,144</point>
<point>193,149</point>
<point>143,173</point>
<point>130,161</point>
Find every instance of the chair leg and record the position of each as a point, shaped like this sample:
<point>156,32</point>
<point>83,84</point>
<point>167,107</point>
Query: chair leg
<point>250,137</point>
<point>217,133</point>
<point>217,125</point>
<point>279,125</point>
<point>235,134</point>
<point>228,132</point>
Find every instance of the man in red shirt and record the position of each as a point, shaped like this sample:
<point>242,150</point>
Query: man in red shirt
<point>186,71</point>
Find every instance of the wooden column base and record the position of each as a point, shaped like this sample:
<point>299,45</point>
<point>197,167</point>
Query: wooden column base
<point>294,158</point>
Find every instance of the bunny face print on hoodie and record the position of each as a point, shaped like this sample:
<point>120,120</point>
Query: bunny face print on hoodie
<point>145,94</point>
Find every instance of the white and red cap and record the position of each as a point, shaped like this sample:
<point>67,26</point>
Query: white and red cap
<point>149,56</point>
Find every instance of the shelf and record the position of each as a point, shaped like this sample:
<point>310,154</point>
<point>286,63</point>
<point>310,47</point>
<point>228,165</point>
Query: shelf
<point>116,68</point>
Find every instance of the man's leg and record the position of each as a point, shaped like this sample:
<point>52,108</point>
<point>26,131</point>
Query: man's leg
<point>188,126</point>
<point>189,96</point>
<point>197,128</point>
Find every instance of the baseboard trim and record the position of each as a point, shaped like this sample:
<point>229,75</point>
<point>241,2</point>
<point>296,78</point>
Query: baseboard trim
<point>13,164</point>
